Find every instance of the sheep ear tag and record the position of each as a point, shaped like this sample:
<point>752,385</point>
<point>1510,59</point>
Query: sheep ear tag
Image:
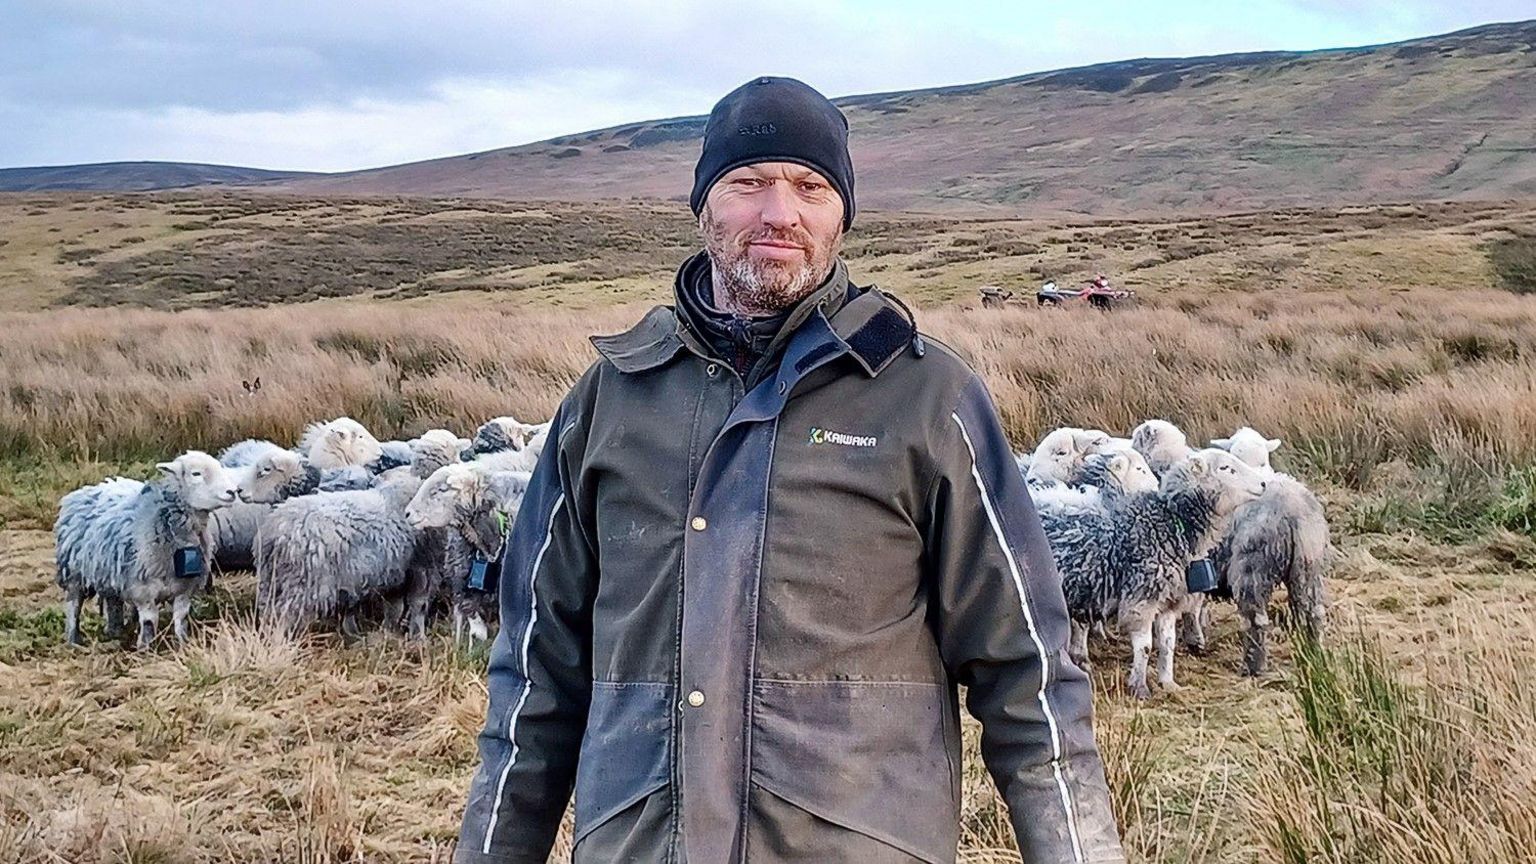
<point>482,576</point>
<point>1200,576</point>
<point>188,562</point>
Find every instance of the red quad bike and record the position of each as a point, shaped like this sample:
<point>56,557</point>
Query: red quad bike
<point>1095,292</point>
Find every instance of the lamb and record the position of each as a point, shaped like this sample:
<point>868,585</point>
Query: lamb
<point>320,555</point>
<point>1279,539</point>
<point>120,539</point>
<point>338,443</point>
<point>1126,564</point>
<point>463,512</point>
<point>1161,443</point>
<point>525,459</point>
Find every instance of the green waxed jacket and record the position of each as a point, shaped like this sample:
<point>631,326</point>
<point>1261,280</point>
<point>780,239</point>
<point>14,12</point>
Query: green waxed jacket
<point>735,614</point>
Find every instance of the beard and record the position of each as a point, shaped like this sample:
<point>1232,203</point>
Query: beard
<point>764,286</point>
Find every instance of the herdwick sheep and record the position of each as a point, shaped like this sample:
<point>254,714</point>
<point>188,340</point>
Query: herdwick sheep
<point>463,512</point>
<point>434,449</point>
<point>1102,478</point>
<point>278,476</point>
<point>339,443</point>
<point>321,555</point>
<point>1126,564</point>
<point>1161,443</point>
<point>120,539</point>
<point>1248,445</point>
<point>504,433</point>
<point>1279,539</point>
<point>392,454</point>
<point>1056,458</point>
<point>232,529</point>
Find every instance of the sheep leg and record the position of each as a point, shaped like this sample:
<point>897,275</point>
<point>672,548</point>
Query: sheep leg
<point>1166,626</point>
<point>1078,650</point>
<point>458,624</point>
<point>112,611</point>
<point>1137,625</point>
<point>1196,618</point>
<point>149,619</point>
<point>179,609</point>
<point>1306,603</point>
<point>72,619</point>
<point>1255,625</point>
<point>349,629</point>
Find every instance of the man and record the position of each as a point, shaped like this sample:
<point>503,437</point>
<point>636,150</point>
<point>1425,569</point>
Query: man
<point>773,529</point>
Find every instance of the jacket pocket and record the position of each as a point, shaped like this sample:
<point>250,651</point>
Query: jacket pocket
<point>624,751</point>
<point>871,757</point>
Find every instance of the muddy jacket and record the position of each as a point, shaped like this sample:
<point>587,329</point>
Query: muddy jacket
<point>735,613</point>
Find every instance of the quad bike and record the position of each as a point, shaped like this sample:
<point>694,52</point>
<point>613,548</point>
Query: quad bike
<point>1095,292</point>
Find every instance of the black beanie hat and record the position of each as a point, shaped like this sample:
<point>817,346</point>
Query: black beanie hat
<point>772,119</point>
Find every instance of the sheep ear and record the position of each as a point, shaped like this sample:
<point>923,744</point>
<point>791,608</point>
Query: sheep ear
<point>167,467</point>
<point>1273,444</point>
<point>1223,443</point>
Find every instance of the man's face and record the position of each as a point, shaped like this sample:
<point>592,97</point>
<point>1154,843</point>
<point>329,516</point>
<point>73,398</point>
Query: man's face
<point>772,230</point>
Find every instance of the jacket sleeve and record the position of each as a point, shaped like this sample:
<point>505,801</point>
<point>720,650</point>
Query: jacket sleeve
<point>1002,628</point>
<point>540,679</point>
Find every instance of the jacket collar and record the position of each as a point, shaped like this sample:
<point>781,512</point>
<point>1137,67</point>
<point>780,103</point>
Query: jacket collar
<point>872,327</point>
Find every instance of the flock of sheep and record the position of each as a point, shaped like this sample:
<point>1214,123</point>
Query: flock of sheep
<point>342,520</point>
<point>339,521</point>
<point>1127,519</point>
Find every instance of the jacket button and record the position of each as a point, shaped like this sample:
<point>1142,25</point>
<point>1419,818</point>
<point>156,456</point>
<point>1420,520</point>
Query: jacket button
<point>711,369</point>
<point>698,523</point>
<point>696,698</point>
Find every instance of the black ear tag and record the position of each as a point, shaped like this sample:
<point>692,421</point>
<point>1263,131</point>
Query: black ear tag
<point>188,562</point>
<point>482,576</point>
<point>1200,576</point>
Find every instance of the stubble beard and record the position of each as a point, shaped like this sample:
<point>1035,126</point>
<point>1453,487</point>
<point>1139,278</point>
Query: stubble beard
<point>764,286</point>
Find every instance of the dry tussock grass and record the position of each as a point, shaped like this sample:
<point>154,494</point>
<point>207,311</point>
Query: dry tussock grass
<point>1413,411</point>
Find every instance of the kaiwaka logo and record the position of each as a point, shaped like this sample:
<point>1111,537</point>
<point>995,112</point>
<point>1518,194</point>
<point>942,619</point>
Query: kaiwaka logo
<point>827,436</point>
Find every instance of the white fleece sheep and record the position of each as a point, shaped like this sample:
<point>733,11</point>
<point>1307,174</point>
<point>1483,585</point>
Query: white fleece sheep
<point>339,443</point>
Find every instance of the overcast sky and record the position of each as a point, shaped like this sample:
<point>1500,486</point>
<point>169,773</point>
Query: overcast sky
<point>328,85</point>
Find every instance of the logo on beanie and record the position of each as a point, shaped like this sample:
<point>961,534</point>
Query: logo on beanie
<point>758,129</point>
<point>827,436</point>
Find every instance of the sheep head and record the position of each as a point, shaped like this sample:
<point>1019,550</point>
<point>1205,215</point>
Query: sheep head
<point>1057,459</point>
<point>1224,480</point>
<point>342,442</point>
<point>199,480</point>
<point>1249,446</point>
<point>277,477</point>
<point>448,498</point>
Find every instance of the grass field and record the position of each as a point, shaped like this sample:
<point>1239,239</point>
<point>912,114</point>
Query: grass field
<point>1377,343</point>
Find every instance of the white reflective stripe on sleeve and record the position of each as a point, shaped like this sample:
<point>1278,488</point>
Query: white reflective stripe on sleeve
<point>533,616</point>
<point>1034,634</point>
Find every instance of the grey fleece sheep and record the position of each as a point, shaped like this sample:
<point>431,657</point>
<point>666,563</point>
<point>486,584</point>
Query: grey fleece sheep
<point>319,556</point>
<point>1126,564</point>
<point>232,529</point>
<point>1279,539</point>
<point>118,539</point>
<point>463,512</point>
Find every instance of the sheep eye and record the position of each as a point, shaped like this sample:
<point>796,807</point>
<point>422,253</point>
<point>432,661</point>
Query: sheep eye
<point>197,473</point>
